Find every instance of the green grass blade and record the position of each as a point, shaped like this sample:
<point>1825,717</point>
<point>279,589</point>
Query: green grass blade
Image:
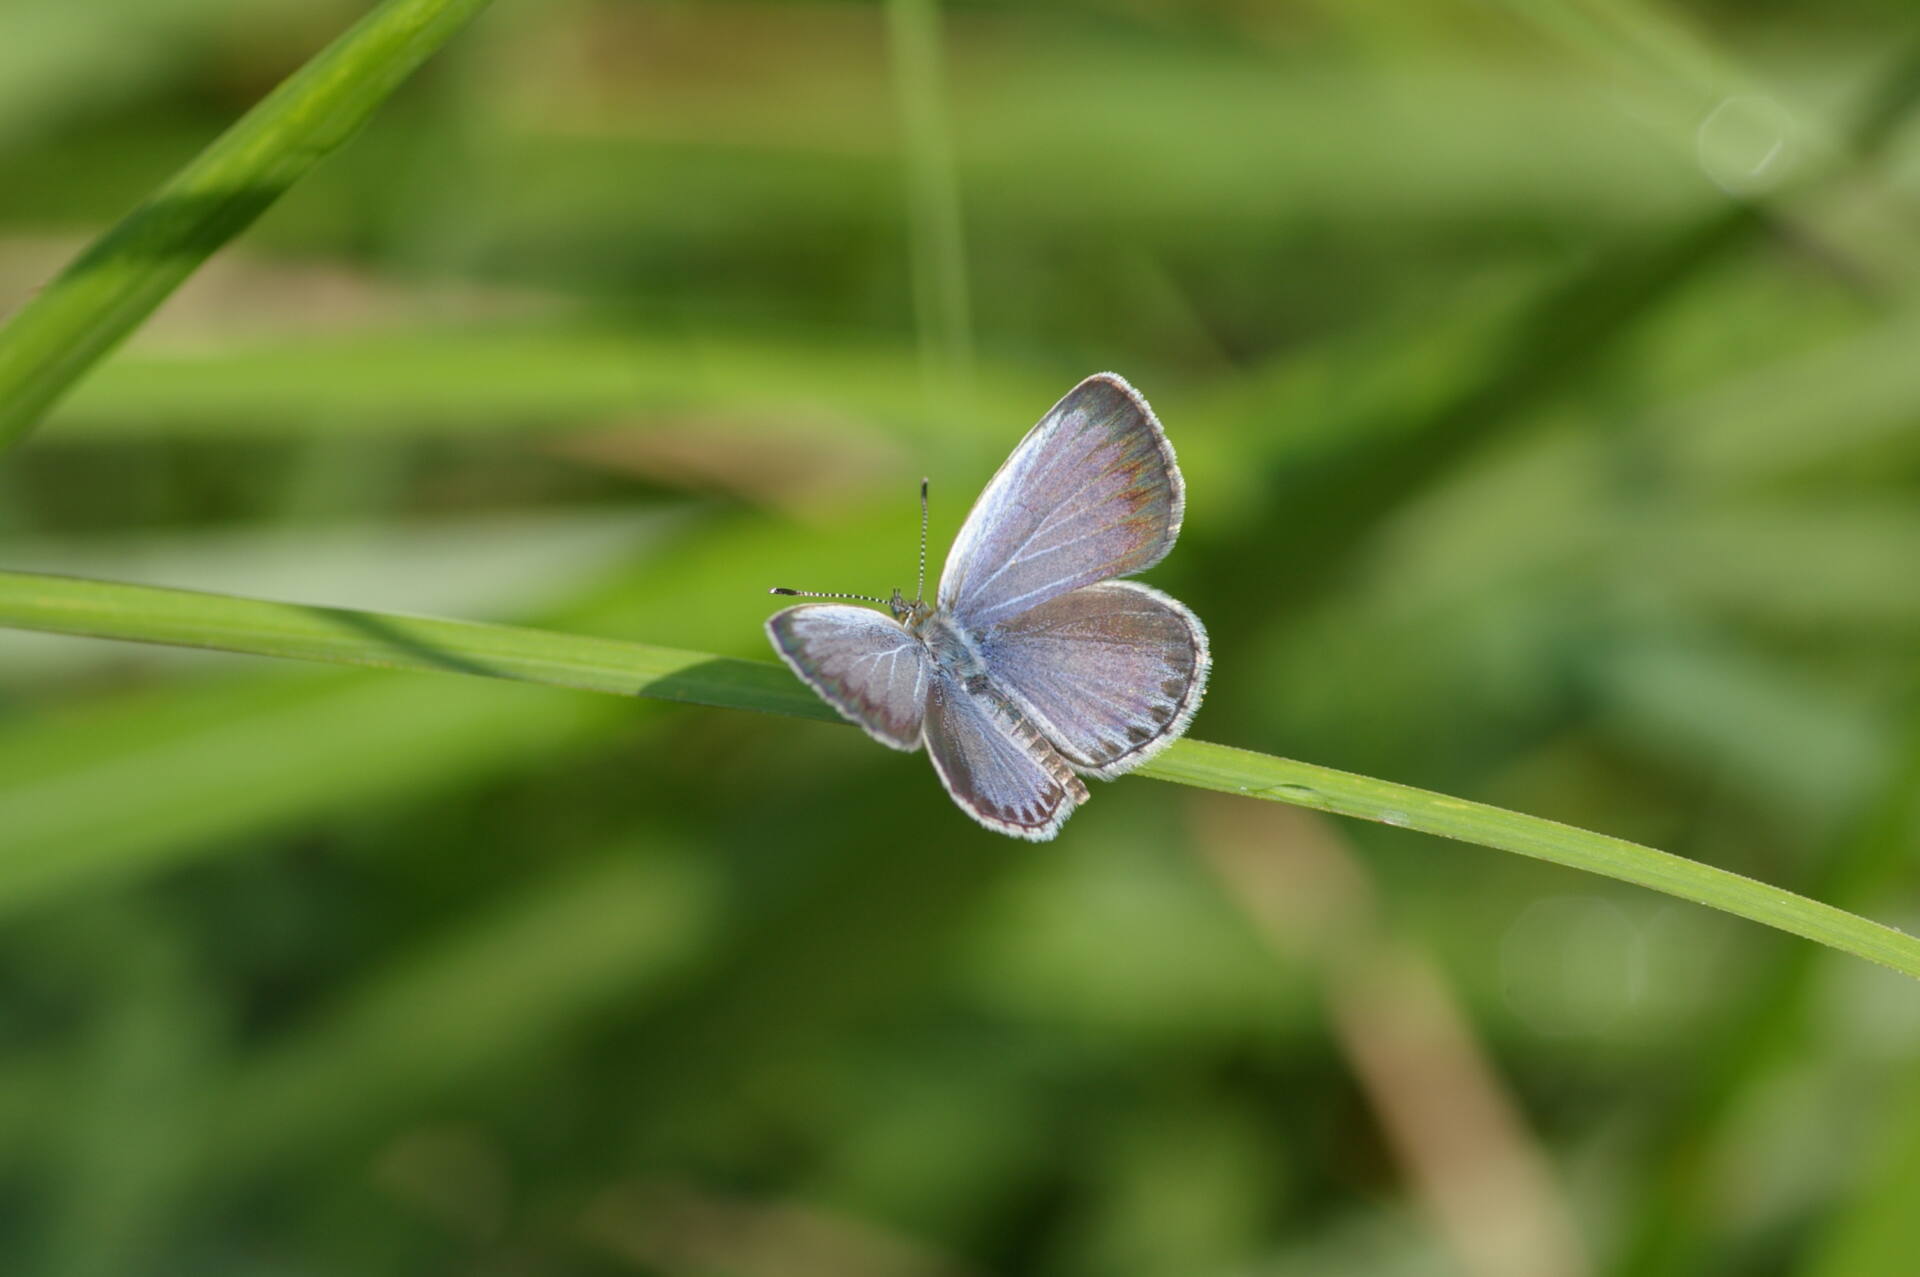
<point>1671,1227</point>
<point>103,296</point>
<point>933,192</point>
<point>103,609</point>
<point>383,640</point>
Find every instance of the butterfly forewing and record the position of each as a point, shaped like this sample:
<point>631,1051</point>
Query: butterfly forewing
<point>994,763</point>
<point>1092,492</point>
<point>864,664</point>
<point>1110,673</point>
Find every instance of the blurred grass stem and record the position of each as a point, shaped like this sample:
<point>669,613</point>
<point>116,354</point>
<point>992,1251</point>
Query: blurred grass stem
<point>1453,1124</point>
<point>122,277</point>
<point>941,308</point>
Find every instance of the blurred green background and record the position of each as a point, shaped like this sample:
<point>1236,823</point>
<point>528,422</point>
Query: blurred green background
<point>1544,375</point>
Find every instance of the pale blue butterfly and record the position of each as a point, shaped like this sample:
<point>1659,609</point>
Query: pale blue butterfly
<point>1032,665</point>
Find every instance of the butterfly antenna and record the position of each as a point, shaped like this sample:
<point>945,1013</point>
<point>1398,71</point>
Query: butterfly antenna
<point>920,590</point>
<point>815,594</point>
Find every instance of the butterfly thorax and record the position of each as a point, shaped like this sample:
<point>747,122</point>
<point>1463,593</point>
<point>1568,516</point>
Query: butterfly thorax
<point>951,648</point>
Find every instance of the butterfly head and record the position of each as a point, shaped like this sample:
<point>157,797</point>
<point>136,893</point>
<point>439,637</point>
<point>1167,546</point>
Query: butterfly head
<point>909,612</point>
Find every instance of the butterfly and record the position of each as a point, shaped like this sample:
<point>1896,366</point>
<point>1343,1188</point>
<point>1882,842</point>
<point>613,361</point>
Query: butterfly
<point>1033,667</point>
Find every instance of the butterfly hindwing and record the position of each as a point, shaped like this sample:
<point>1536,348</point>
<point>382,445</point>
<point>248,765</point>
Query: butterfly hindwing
<point>1110,673</point>
<point>1092,492</point>
<point>994,763</point>
<point>865,664</point>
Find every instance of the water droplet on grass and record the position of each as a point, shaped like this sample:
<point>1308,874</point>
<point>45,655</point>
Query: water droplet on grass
<point>1742,144</point>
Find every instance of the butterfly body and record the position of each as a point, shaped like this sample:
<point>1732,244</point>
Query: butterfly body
<point>1033,666</point>
<point>952,651</point>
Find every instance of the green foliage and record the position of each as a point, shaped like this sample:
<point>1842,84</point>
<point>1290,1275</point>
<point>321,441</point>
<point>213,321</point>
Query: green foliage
<point>1551,441</point>
<point>117,282</point>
